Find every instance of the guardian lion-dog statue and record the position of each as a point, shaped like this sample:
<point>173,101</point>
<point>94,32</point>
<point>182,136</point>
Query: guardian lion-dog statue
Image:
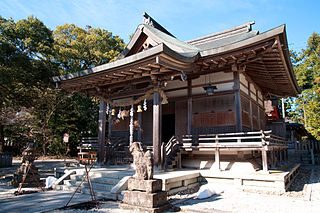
<point>143,161</point>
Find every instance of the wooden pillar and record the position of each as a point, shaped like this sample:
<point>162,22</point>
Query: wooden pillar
<point>293,140</point>
<point>189,106</point>
<point>259,118</point>
<point>217,159</point>
<point>131,126</point>
<point>101,131</point>
<point>110,127</point>
<point>281,156</point>
<point>264,160</point>
<point>156,131</point>
<point>139,126</point>
<point>273,160</point>
<point>237,101</point>
<point>250,107</point>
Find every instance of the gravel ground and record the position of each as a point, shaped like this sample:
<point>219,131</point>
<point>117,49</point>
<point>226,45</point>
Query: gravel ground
<point>296,199</point>
<point>302,196</point>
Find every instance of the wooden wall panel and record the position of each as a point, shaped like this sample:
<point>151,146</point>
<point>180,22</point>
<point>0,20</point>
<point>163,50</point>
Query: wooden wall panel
<point>181,117</point>
<point>245,119</point>
<point>214,104</point>
<point>209,119</point>
<point>255,124</point>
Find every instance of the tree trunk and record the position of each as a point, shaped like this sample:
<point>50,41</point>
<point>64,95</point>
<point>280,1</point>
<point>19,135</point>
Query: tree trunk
<point>1,137</point>
<point>44,148</point>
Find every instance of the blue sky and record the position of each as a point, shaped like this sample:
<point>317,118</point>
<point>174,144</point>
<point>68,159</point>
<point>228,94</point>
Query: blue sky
<point>186,19</point>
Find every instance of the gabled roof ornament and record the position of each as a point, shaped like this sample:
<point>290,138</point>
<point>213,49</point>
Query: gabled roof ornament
<point>148,20</point>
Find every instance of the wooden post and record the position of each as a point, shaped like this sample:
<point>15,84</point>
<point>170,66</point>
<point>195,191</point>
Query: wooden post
<point>101,131</point>
<point>189,106</point>
<point>131,126</point>
<point>264,154</point>
<point>250,107</point>
<point>273,164</point>
<point>237,102</point>
<point>264,160</point>
<point>259,118</point>
<point>292,140</point>
<point>156,131</point>
<point>281,156</point>
<point>110,127</point>
<point>139,126</point>
<point>217,159</point>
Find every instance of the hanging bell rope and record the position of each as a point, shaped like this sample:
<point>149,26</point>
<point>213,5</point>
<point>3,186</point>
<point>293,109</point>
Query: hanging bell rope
<point>148,93</point>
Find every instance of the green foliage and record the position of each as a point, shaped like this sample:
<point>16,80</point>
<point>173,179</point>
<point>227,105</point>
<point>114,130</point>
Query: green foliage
<point>77,49</point>
<point>31,108</point>
<point>307,70</point>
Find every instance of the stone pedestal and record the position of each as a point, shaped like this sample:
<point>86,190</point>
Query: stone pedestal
<point>145,196</point>
<point>32,179</point>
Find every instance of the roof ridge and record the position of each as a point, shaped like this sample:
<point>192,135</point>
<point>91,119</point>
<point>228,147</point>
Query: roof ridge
<point>246,27</point>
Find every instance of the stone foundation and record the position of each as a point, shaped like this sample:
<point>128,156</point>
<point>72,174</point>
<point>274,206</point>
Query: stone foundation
<point>32,179</point>
<point>145,196</point>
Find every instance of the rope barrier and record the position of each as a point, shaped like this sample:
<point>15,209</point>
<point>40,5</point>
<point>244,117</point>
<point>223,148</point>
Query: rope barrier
<point>134,102</point>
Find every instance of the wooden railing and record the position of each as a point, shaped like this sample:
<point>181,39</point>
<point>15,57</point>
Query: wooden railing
<point>260,138</point>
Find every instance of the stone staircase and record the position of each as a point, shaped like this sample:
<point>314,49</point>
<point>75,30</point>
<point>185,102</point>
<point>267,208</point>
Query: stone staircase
<point>107,183</point>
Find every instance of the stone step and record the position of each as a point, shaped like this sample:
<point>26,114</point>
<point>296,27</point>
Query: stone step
<point>96,186</point>
<point>98,193</point>
<point>117,175</point>
<point>104,180</point>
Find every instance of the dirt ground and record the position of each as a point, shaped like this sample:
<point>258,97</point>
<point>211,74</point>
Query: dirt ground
<point>302,196</point>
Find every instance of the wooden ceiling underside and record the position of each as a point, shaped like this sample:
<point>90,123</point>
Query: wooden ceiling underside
<point>155,68</point>
<point>264,63</point>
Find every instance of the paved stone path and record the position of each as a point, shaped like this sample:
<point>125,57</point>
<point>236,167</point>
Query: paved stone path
<point>39,202</point>
<point>315,184</point>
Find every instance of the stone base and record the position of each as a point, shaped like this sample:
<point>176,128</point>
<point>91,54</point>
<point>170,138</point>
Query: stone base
<point>145,196</point>
<point>32,179</point>
<point>144,199</point>
<point>133,208</point>
<point>149,186</point>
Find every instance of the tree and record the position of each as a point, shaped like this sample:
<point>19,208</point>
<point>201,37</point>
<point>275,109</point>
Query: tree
<point>307,70</point>
<point>78,49</point>
<point>26,47</point>
<point>31,108</point>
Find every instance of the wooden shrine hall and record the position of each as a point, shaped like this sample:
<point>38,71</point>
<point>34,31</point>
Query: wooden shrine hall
<point>198,99</point>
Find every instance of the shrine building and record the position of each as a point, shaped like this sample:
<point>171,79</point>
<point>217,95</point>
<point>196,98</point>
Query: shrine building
<point>201,100</point>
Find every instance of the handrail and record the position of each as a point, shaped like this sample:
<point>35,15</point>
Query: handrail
<point>169,150</point>
<point>263,137</point>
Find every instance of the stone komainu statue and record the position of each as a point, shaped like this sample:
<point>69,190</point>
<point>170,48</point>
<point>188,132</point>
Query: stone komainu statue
<point>143,162</point>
